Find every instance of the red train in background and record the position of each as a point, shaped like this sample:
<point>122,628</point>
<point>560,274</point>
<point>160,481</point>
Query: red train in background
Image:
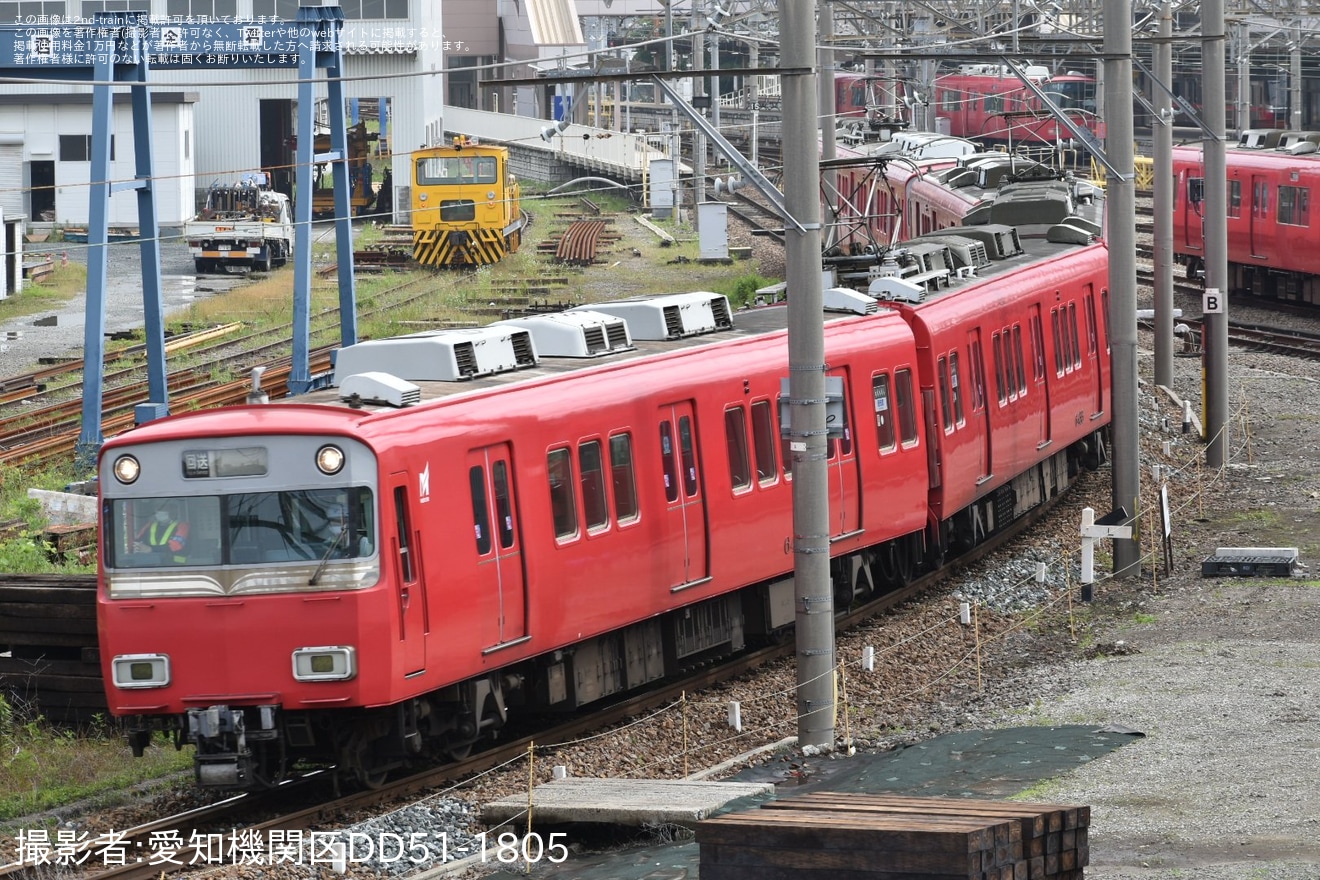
<point>370,577</point>
<point>985,103</point>
<point>1272,251</point>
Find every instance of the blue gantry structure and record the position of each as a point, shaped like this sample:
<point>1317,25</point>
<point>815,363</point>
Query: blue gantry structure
<point>120,49</point>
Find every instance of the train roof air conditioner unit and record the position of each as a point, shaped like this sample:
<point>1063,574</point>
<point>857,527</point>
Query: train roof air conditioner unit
<point>895,289</point>
<point>841,299</point>
<point>575,334</point>
<point>440,355</point>
<point>672,316</point>
<point>379,388</point>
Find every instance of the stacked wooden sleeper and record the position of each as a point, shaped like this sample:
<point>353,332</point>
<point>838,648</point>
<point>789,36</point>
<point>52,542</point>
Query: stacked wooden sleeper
<point>850,836</point>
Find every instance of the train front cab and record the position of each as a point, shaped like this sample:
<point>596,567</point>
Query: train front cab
<point>273,610</point>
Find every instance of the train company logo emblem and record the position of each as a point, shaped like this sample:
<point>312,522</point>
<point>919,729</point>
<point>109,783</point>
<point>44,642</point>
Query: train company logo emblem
<point>424,484</point>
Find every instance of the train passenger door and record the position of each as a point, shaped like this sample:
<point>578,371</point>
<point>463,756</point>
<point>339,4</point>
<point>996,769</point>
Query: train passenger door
<point>685,505</point>
<point>1041,387</point>
<point>1258,235</point>
<point>502,588</point>
<point>1096,364</point>
<point>844,480</point>
<point>979,419</point>
<point>406,572</point>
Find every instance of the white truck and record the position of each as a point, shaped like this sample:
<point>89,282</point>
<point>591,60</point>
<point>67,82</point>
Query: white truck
<point>245,225</point>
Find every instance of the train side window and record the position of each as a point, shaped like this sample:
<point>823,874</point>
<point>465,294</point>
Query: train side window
<point>735,429</point>
<point>884,412</point>
<point>907,407</point>
<point>1017,357</point>
<point>1092,343</point>
<point>1058,342</point>
<point>1072,330</point>
<point>763,442</point>
<point>591,474</point>
<point>1293,207</point>
<point>688,450</point>
<point>785,449</point>
<point>1037,348</point>
<point>563,504</point>
<point>404,530</point>
<point>1235,198</point>
<point>1104,315</point>
<point>978,373</point>
<point>946,405</point>
<point>621,477</point>
<point>997,345</point>
<point>499,471</point>
<point>1195,190</point>
<point>480,512</point>
<point>1010,375</point>
<point>955,386</point>
<point>668,460</point>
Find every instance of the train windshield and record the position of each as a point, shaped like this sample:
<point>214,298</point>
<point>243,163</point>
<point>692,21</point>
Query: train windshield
<point>1073,94</point>
<point>241,529</point>
<point>442,170</point>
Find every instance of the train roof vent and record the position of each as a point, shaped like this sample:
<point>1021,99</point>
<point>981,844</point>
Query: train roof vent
<point>672,316</point>
<point>575,334</point>
<point>1260,138</point>
<point>892,288</point>
<point>1301,147</point>
<point>379,388</point>
<point>967,253</point>
<point>1000,241</point>
<point>1289,140</point>
<point>441,355</point>
<point>841,299</point>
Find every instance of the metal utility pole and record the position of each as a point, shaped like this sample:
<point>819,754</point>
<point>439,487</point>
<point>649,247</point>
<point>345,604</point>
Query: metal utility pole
<point>1164,202</point>
<point>1214,341</point>
<point>813,598</point>
<point>1120,209</point>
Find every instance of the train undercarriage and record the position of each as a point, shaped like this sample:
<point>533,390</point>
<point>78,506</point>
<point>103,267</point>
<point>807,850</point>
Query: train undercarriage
<point>254,747</point>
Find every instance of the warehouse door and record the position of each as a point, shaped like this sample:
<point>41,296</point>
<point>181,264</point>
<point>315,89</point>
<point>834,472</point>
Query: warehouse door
<point>684,541</point>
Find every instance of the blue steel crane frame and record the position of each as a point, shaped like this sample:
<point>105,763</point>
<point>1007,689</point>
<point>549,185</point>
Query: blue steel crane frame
<point>120,48</point>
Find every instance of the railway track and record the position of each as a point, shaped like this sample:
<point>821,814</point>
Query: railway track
<point>287,807</point>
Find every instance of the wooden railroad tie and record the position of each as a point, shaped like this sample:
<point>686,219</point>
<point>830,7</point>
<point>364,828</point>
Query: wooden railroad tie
<point>826,835</point>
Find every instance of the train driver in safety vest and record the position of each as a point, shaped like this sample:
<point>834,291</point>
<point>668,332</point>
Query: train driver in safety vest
<point>165,535</point>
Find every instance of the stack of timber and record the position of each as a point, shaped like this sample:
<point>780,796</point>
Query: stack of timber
<point>848,836</point>
<point>49,663</point>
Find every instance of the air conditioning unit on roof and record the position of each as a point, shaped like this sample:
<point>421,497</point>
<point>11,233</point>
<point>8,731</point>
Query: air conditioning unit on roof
<point>440,355</point>
<point>671,316</point>
<point>574,334</point>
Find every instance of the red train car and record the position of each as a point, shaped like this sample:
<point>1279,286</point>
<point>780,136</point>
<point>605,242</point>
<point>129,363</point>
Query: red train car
<point>546,529</point>
<point>1271,237</point>
<point>992,105</point>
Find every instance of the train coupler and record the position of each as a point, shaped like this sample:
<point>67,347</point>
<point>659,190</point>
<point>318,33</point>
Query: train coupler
<point>221,735</point>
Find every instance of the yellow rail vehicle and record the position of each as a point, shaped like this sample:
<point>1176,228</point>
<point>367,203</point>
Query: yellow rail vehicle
<point>465,205</point>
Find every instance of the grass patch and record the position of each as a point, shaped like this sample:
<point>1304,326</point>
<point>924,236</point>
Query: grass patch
<point>1143,617</point>
<point>24,551</point>
<point>57,288</point>
<point>43,767</point>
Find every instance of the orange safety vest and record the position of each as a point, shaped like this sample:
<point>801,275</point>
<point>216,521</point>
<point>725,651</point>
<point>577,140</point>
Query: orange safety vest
<point>157,537</point>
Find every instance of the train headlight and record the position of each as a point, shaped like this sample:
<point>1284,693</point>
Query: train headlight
<point>331,663</point>
<point>141,670</point>
<point>330,459</point>
<point>127,468</point>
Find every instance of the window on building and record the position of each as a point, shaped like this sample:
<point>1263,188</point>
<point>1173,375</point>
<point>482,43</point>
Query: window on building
<point>90,6</point>
<point>211,10</point>
<point>78,148</point>
<point>31,11</point>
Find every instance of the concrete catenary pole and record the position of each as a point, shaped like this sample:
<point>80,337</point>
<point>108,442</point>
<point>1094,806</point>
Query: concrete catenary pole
<point>1163,203</point>
<point>814,600</point>
<point>1214,346</point>
<point>1120,208</point>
